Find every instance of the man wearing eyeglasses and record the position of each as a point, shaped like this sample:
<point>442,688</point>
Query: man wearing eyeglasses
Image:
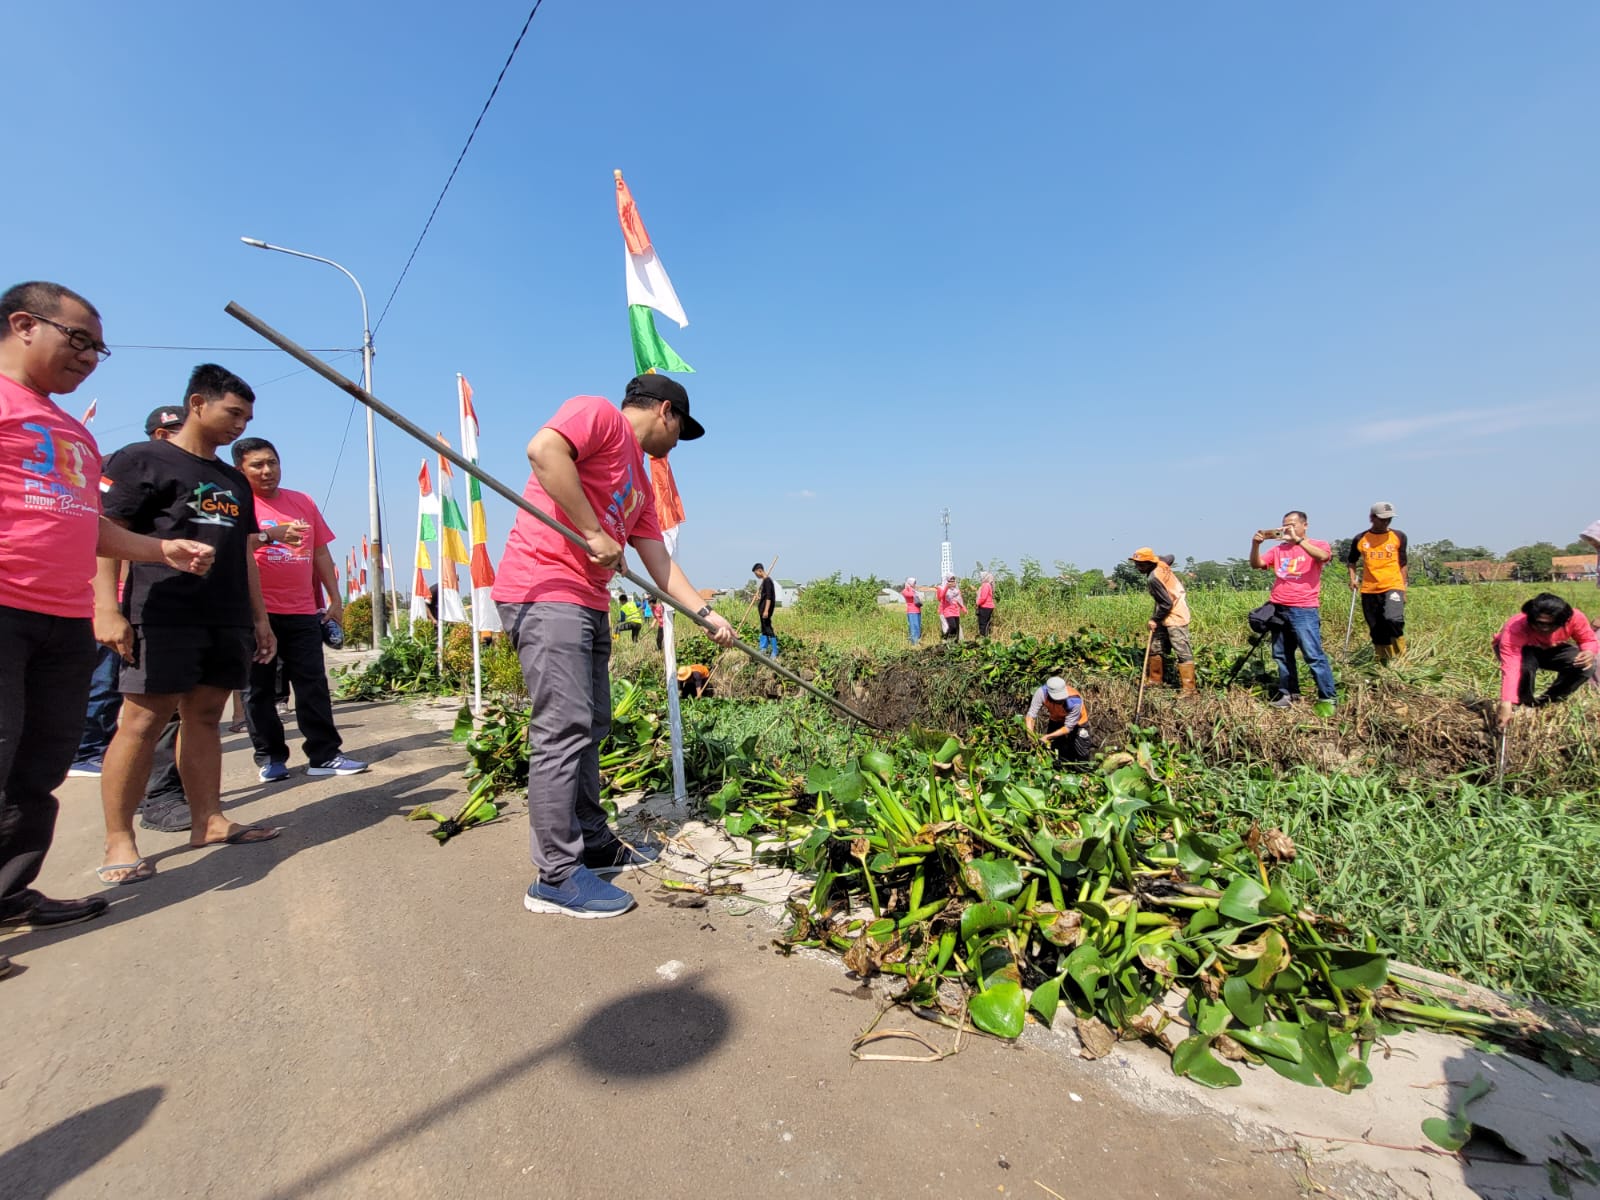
<point>589,473</point>
<point>50,531</point>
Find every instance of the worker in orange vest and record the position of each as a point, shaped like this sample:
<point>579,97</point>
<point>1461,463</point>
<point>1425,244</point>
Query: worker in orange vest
<point>1169,625</point>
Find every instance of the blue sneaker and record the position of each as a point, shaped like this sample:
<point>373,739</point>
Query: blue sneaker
<point>610,861</point>
<point>274,772</point>
<point>584,894</point>
<point>84,770</point>
<point>338,765</point>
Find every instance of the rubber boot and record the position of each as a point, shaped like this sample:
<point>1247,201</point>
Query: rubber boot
<point>1398,649</point>
<point>1382,653</point>
<point>1157,671</point>
<point>1186,679</point>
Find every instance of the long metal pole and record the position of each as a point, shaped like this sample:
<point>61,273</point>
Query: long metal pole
<point>374,509</point>
<point>380,626</point>
<point>294,350</point>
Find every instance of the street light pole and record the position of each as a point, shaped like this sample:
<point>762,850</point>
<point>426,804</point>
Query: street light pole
<point>374,516</point>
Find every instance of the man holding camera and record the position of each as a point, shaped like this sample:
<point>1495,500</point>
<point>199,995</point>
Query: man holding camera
<point>1296,563</point>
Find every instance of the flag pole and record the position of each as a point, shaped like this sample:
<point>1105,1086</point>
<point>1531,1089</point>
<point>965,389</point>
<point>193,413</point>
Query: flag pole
<point>354,390</point>
<point>477,632</point>
<point>438,574</point>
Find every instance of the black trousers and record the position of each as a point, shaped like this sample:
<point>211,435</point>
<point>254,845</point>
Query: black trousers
<point>45,665</point>
<point>1385,614</point>
<point>1569,676</point>
<point>300,651</point>
<point>985,616</point>
<point>1076,747</point>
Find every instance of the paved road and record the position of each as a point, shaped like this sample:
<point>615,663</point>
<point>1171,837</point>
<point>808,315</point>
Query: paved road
<point>353,1010</point>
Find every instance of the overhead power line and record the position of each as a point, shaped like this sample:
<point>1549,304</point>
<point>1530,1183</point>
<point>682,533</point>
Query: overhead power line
<point>429,222</point>
<point>228,349</point>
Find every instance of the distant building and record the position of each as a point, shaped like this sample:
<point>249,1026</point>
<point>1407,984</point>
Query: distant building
<point>1573,566</point>
<point>1480,570</point>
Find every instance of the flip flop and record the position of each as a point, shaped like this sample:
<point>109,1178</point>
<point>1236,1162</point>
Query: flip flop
<point>137,872</point>
<point>248,835</point>
<point>238,727</point>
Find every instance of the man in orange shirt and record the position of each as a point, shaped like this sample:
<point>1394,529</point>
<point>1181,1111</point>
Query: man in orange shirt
<point>1381,554</point>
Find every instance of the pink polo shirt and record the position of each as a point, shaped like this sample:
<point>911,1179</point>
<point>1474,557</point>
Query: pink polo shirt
<point>288,573</point>
<point>1297,577</point>
<point>1517,633</point>
<point>49,505</point>
<point>541,565</point>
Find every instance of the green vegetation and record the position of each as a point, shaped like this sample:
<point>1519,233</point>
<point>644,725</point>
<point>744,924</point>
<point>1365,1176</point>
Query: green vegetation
<point>1406,848</point>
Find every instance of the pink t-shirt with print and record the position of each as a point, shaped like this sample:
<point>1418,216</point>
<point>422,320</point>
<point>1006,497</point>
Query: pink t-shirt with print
<point>49,506</point>
<point>288,573</point>
<point>1297,577</point>
<point>541,565</point>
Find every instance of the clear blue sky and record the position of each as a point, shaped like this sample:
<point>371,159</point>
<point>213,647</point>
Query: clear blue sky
<point>1092,280</point>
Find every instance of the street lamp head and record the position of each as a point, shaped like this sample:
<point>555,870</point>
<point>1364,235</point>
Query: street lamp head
<point>256,242</point>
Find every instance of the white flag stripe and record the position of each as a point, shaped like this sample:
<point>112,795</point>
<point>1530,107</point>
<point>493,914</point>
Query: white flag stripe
<point>648,284</point>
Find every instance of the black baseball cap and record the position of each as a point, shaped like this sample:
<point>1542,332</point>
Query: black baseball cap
<point>165,417</point>
<point>660,387</point>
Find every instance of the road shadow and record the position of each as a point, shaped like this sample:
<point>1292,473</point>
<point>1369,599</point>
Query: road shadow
<point>184,872</point>
<point>642,1035</point>
<point>56,1156</point>
<point>1533,1131</point>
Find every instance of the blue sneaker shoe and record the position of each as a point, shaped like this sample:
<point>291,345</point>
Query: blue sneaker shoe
<point>274,772</point>
<point>84,770</point>
<point>584,894</point>
<point>610,861</point>
<point>338,765</point>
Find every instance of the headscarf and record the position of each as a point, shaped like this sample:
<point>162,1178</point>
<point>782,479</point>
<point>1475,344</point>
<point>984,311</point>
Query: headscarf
<point>911,581</point>
<point>952,591</point>
<point>986,577</point>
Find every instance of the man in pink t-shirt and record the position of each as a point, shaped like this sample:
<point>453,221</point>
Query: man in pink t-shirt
<point>589,474</point>
<point>292,557</point>
<point>1296,563</point>
<point>51,340</point>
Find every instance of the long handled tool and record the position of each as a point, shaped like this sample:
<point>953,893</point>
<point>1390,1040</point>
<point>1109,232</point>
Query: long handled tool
<point>1144,673</point>
<point>1500,770</point>
<point>1350,622</point>
<point>300,354</point>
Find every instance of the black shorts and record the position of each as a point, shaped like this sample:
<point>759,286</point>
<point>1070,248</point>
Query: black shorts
<point>171,659</point>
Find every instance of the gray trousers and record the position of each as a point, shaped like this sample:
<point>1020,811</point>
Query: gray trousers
<point>565,650</point>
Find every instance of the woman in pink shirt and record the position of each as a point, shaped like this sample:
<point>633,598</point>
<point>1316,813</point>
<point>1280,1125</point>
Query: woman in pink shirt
<point>951,606</point>
<point>913,609</point>
<point>1548,635</point>
<point>985,603</point>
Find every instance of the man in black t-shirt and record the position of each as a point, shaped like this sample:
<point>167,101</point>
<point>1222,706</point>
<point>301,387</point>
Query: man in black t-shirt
<point>766,601</point>
<point>187,641</point>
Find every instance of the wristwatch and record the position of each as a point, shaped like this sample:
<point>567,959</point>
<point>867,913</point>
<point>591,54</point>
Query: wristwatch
<point>266,538</point>
<point>704,612</point>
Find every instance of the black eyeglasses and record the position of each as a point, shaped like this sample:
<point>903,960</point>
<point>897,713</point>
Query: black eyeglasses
<point>78,339</point>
